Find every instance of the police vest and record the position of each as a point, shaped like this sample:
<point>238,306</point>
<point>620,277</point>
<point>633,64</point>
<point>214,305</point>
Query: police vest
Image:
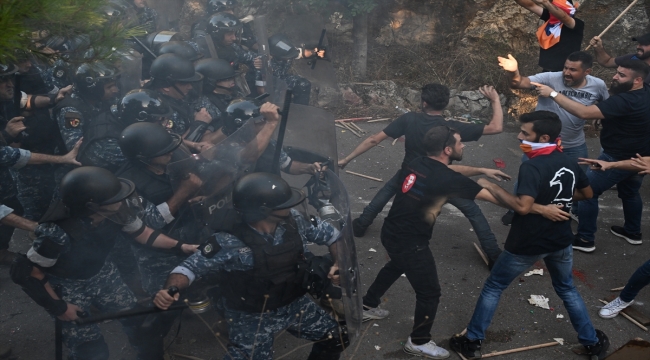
<point>181,107</point>
<point>104,126</point>
<point>89,245</point>
<point>275,272</point>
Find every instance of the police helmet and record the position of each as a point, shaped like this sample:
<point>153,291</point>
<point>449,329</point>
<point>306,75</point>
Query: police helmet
<point>180,48</point>
<point>143,141</point>
<point>221,23</point>
<point>214,70</point>
<point>256,195</point>
<point>238,112</point>
<point>91,184</point>
<point>90,78</point>
<point>282,48</point>
<point>215,6</point>
<point>156,39</point>
<point>142,105</point>
<point>170,68</point>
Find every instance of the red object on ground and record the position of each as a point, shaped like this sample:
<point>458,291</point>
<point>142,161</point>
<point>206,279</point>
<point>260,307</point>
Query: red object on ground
<point>499,163</point>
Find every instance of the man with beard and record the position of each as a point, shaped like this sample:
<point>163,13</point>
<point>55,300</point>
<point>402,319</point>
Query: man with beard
<point>427,183</point>
<point>574,82</point>
<point>606,60</point>
<point>625,133</point>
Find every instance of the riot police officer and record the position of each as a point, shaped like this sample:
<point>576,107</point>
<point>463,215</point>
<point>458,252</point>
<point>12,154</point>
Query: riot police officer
<point>283,54</point>
<point>180,48</point>
<point>261,257</point>
<point>66,272</point>
<point>149,149</point>
<point>247,36</point>
<point>174,78</point>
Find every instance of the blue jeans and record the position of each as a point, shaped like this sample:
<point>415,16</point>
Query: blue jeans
<point>573,153</point>
<point>508,267</point>
<point>627,183</point>
<point>638,281</point>
<point>468,207</point>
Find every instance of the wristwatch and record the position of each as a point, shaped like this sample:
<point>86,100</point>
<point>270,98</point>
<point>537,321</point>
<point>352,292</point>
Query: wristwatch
<point>553,94</point>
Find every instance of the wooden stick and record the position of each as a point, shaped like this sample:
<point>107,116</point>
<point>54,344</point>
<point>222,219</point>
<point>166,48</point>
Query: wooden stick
<point>628,317</point>
<point>354,119</point>
<point>351,129</point>
<point>525,348</point>
<point>618,288</point>
<point>615,21</point>
<point>480,252</point>
<point>377,120</point>
<point>340,126</point>
<point>394,141</point>
<point>355,126</point>
<point>364,176</point>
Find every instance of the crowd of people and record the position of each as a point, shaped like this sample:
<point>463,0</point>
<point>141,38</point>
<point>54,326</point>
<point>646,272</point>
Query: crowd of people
<point>122,187</point>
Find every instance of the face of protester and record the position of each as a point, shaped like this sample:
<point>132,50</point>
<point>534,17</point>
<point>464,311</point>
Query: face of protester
<point>623,81</point>
<point>457,149</point>
<point>526,133</point>
<point>6,89</point>
<point>573,74</point>
<point>642,51</point>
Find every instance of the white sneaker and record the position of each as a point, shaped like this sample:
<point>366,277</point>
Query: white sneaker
<point>374,313</point>
<point>429,350</point>
<point>613,308</point>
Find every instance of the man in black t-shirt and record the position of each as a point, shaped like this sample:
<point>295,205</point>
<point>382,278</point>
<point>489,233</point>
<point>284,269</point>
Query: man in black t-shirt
<point>549,178</point>
<point>427,183</point>
<point>606,60</point>
<point>560,35</point>
<point>625,133</point>
<point>413,126</point>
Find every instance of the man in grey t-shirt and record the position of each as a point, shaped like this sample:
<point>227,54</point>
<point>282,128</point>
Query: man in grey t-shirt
<point>574,82</point>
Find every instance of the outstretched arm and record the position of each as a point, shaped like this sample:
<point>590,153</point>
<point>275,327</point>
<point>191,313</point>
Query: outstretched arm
<point>521,204</point>
<point>530,6</point>
<point>512,67</point>
<point>366,145</point>
<point>496,124</point>
<point>573,107</point>
<point>495,174</point>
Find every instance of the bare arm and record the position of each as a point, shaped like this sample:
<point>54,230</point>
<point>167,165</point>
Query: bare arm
<point>511,67</point>
<point>163,300</point>
<point>573,107</point>
<point>583,194</point>
<point>19,222</point>
<point>530,6</point>
<point>521,204</point>
<point>638,163</point>
<point>163,241</point>
<point>187,189</point>
<point>496,123</point>
<point>602,57</point>
<point>474,171</point>
<point>565,18</point>
<point>366,145</point>
<point>69,158</point>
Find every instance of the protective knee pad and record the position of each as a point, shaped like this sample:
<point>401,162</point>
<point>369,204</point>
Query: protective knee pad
<point>331,344</point>
<point>90,350</point>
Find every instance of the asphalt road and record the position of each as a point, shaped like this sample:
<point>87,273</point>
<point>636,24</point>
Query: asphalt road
<point>462,273</point>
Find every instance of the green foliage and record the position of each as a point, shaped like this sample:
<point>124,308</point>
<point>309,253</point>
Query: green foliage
<point>25,23</point>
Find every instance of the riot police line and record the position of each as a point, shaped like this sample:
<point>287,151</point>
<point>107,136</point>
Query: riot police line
<point>179,198</point>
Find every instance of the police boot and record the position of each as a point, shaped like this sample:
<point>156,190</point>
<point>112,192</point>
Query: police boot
<point>331,345</point>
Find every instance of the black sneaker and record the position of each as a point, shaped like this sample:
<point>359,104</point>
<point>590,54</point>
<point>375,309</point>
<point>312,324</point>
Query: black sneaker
<point>471,349</point>
<point>583,245</point>
<point>507,218</point>
<point>599,350</point>
<point>634,239</point>
<point>358,229</point>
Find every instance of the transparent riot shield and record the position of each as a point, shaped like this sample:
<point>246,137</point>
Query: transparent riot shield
<point>130,71</point>
<point>218,168</point>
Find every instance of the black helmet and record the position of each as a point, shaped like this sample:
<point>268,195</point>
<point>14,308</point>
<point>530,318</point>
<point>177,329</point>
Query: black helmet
<point>142,106</point>
<point>214,70</point>
<point>256,195</point>
<point>215,6</point>
<point>7,71</point>
<point>221,23</point>
<point>90,184</point>
<point>156,39</point>
<point>282,48</point>
<point>89,79</point>
<point>146,141</point>
<point>238,112</point>
<point>170,68</point>
<point>180,48</point>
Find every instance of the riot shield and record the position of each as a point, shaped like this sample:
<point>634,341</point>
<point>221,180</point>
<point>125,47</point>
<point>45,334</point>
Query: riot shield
<point>130,71</point>
<point>218,168</point>
<point>263,49</point>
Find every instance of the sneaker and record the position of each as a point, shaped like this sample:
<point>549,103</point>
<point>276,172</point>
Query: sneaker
<point>599,350</point>
<point>613,308</point>
<point>358,229</point>
<point>583,245</point>
<point>376,313</point>
<point>634,239</point>
<point>429,350</point>
<point>471,349</point>
<point>507,218</point>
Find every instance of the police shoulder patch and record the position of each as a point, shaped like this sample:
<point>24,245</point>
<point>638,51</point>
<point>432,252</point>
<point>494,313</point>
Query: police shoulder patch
<point>210,248</point>
<point>244,250</point>
<point>72,120</point>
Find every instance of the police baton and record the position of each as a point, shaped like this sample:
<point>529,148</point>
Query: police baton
<point>320,47</point>
<point>86,320</point>
<point>283,129</point>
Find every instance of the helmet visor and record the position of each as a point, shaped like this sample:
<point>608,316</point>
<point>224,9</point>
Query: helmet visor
<point>124,212</point>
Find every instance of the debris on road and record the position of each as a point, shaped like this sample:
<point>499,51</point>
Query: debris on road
<point>539,301</point>
<point>535,272</point>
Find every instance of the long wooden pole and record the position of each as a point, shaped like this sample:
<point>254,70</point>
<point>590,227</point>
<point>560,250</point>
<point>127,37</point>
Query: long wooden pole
<point>627,317</point>
<point>525,348</point>
<point>364,176</point>
<point>615,21</point>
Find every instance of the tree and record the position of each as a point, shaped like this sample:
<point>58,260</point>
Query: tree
<point>26,24</point>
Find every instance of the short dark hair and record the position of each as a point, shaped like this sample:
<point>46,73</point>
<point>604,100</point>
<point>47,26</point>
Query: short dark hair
<point>584,57</point>
<point>544,123</point>
<point>438,138</point>
<point>436,96</point>
<point>638,67</point>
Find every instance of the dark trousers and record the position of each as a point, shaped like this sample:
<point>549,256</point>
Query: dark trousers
<point>6,231</point>
<point>420,269</point>
<point>639,280</point>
